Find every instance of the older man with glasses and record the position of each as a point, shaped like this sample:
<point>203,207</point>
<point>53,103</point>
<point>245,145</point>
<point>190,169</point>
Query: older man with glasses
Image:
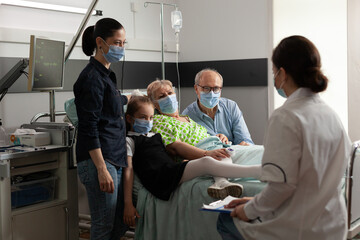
<point>220,116</point>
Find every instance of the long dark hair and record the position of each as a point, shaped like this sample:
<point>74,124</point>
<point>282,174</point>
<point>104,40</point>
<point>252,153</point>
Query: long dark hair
<point>301,60</point>
<point>103,28</point>
<point>133,106</point>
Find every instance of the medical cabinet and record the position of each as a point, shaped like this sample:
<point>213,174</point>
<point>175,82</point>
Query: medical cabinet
<point>38,188</point>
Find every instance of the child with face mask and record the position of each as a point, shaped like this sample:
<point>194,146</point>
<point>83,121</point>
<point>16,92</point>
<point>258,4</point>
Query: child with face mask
<point>156,170</point>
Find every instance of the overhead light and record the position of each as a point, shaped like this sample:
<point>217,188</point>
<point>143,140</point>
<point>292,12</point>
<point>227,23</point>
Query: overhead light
<point>47,6</point>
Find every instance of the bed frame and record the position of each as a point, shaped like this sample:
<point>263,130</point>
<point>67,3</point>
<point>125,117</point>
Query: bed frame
<point>352,192</point>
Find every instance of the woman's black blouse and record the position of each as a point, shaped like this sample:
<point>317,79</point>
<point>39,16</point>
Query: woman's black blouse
<point>99,107</point>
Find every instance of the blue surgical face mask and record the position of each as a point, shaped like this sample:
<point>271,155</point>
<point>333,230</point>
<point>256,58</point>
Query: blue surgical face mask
<point>115,53</point>
<point>280,91</point>
<point>168,104</point>
<point>142,126</point>
<point>210,99</point>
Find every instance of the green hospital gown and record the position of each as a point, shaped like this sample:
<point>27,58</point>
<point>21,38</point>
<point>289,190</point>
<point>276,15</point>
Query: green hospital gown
<point>172,129</point>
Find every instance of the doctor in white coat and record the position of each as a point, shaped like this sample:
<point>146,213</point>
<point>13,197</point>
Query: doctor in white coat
<point>306,153</point>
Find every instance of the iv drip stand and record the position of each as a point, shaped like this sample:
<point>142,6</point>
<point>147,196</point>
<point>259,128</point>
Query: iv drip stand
<point>162,32</point>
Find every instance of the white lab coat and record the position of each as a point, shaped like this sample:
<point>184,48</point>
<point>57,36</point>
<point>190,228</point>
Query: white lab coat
<point>306,146</point>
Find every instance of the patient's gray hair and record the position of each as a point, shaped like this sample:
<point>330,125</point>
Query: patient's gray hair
<point>199,74</point>
<point>155,85</point>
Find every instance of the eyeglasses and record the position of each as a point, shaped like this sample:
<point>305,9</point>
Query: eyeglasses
<point>208,89</point>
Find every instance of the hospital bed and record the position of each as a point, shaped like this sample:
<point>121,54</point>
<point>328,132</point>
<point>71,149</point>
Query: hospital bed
<point>181,217</point>
<point>177,218</point>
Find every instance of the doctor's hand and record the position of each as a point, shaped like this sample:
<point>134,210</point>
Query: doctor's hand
<point>105,181</point>
<point>223,138</point>
<point>218,154</point>
<point>237,202</point>
<point>239,213</point>
<point>130,215</point>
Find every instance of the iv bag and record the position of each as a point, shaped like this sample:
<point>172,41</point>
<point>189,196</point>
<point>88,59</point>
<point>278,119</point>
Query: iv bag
<point>176,20</point>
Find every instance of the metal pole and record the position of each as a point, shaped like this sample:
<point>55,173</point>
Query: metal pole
<point>162,32</point>
<point>80,29</point>
<point>52,105</point>
<point>162,41</point>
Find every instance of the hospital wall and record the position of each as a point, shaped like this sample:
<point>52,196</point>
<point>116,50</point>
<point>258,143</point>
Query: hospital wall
<point>143,35</point>
<point>354,68</point>
<point>324,22</point>
<point>233,30</point>
<point>230,30</point>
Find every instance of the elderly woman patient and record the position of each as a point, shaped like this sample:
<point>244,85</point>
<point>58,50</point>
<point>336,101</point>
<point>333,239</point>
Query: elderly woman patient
<point>180,134</point>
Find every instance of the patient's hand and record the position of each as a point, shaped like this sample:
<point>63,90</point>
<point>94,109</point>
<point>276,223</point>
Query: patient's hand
<point>243,143</point>
<point>130,215</point>
<point>218,154</point>
<point>223,138</point>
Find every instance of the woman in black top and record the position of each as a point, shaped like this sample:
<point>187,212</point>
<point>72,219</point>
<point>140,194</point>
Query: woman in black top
<point>101,146</point>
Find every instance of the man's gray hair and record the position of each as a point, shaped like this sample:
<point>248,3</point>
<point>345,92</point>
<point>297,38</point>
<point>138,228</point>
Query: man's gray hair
<point>199,74</point>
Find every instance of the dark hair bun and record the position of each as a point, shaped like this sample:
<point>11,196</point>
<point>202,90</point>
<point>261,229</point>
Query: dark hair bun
<point>320,81</point>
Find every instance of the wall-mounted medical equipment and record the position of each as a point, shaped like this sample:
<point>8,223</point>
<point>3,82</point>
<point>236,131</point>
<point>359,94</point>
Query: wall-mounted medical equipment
<point>46,68</point>
<point>71,46</point>
<point>46,64</point>
<point>10,77</point>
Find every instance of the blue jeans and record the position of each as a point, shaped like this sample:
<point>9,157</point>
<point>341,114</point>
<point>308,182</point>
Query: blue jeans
<point>227,229</point>
<point>106,209</point>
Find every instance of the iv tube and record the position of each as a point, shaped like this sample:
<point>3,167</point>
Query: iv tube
<point>176,24</point>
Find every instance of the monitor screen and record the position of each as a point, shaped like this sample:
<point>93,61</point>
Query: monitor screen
<point>46,64</point>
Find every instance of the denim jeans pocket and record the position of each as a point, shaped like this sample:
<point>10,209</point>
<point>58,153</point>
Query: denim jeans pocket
<point>83,171</point>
